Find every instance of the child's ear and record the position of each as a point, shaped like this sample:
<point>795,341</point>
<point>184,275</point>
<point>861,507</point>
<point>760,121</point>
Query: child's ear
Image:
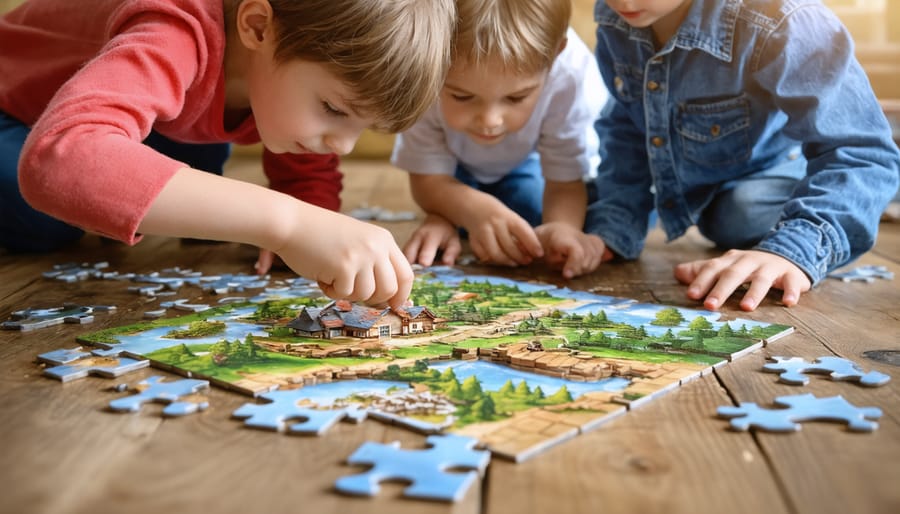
<point>562,45</point>
<point>254,22</point>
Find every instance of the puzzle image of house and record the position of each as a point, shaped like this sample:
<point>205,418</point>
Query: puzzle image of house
<point>520,366</point>
<point>345,319</point>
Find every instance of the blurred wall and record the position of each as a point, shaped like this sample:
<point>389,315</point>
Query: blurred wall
<point>875,25</point>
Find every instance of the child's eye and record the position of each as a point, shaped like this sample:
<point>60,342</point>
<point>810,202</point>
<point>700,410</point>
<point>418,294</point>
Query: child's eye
<point>330,109</point>
<point>461,98</point>
<point>515,99</point>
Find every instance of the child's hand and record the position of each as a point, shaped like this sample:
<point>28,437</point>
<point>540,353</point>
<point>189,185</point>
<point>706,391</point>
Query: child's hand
<point>570,249</point>
<point>349,259</point>
<point>717,278</point>
<point>500,236</point>
<point>434,234</point>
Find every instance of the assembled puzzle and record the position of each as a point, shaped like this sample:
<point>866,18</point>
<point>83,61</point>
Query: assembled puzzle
<point>518,366</point>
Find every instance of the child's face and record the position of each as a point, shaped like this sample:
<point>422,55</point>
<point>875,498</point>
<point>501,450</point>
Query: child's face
<point>301,107</point>
<point>487,103</point>
<point>647,13</point>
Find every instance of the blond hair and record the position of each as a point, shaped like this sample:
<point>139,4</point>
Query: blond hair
<point>394,54</point>
<point>522,35</point>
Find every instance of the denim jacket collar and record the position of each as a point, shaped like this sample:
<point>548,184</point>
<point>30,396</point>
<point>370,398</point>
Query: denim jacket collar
<point>709,26</point>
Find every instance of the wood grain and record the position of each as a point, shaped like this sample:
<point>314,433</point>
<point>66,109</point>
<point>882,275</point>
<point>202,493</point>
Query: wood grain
<point>64,453</point>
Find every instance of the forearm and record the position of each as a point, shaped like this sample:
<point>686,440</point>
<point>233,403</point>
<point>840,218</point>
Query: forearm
<point>565,202</point>
<point>447,197</point>
<point>201,205</point>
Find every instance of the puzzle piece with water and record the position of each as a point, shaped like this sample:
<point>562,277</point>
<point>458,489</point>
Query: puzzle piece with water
<point>425,470</point>
<point>866,274</point>
<point>154,390</point>
<point>283,408</point>
<point>800,407</point>
<point>74,364</point>
<point>792,370</point>
<point>33,319</point>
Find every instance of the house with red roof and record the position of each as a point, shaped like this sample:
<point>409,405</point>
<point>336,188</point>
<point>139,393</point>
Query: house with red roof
<point>342,318</point>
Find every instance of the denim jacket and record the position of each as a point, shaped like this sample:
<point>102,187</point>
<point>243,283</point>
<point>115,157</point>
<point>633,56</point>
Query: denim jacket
<point>733,92</point>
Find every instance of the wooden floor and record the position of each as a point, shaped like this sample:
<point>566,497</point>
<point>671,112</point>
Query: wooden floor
<point>62,453</point>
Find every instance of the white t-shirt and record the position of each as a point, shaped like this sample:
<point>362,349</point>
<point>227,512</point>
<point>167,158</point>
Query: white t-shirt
<point>561,130</point>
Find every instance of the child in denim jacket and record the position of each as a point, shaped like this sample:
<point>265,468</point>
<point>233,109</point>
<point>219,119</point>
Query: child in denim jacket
<point>753,121</point>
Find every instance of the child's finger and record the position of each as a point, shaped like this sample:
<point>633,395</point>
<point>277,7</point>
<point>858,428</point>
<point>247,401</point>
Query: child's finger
<point>411,248</point>
<point>452,250</point>
<point>793,286</point>
<point>574,261</point>
<point>264,261</point>
<point>703,276</point>
<point>727,281</point>
<point>758,289</point>
<point>404,280</point>
<point>365,286</point>
<point>430,246</point>
<point>686,272</point>
<point>527,239</point>
<point>510,248</point>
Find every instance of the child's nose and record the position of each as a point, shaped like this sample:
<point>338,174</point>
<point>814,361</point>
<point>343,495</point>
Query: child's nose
<point>340,144</point>
<point>492,117</point>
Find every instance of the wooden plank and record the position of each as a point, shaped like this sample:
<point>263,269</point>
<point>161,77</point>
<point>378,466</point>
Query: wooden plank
<point>843,319</point>
<point>666,456</point>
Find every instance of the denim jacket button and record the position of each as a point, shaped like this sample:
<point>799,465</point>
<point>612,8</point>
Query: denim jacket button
<point>652,85</point>
<point>618,83</point>
<point>715,130</point>
<point>658,141</point>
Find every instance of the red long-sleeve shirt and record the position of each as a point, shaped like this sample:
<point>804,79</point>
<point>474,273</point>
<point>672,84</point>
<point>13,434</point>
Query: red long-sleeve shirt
<point>94,80</point>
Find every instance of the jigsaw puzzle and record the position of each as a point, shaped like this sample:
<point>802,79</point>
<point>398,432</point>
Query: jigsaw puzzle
<point>792,370</point>
<point>74,364</point>
<point>283,407</point>
<point>33,319</point>
<point>180,395</point>
<point>519,365</point>
<point>801,407</point>
<point>425,470</point>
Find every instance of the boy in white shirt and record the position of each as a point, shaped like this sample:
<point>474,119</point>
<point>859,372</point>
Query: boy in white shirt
<point>504,152</point>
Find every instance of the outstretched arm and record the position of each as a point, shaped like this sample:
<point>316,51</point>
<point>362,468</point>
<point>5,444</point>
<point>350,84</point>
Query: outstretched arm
<point>348,258</point>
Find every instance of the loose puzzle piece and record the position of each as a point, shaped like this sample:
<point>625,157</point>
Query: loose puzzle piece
<point>792,369</point>
<point>72,272</point>
<point>426,470</point>
<point>866,274</point>
<point>32,319</point>
<point>801,407</point>
<point>283,408</point>
<point>154,390</point>
<point>74,364</point>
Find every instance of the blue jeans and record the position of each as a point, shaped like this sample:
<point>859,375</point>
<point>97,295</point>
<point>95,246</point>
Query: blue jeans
<point>522,189</point>
<point>745,210</point>
<point>23,229</point>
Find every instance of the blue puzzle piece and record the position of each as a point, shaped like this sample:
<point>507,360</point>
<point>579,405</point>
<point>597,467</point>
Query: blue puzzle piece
<point>283,408</point>
<point>426,470</point>
<point>153,390</point>
<point>792,370</point>
<point>32,319</point>
<point>74,364</point>
<point>801,407</point>
<point>866,274</point>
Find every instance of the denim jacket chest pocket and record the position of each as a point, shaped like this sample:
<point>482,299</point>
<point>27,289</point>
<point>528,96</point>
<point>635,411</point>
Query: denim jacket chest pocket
<point>715,133</point>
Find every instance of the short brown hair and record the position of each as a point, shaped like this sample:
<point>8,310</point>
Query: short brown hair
<point>522,35</point>
<point>394,54</point>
